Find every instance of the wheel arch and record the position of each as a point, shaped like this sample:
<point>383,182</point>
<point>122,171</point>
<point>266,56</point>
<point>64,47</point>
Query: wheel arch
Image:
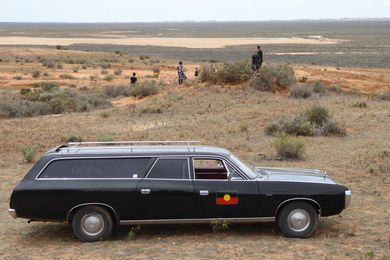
<point>312,202</point>
<point>110,209</point>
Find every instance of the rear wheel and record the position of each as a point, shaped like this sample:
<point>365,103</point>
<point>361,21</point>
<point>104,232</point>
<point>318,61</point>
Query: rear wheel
<point>298,219</point>
<point>92,223</point>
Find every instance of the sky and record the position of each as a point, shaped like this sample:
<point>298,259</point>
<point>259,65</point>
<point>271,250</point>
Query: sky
<point>187,10</point>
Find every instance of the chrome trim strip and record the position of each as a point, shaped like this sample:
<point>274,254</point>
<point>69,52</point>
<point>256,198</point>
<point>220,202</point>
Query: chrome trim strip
<point>281,204</point>
<point>12,212</point>
<point>348,198</point>
<point>198,221</point>
<point>89,204</point>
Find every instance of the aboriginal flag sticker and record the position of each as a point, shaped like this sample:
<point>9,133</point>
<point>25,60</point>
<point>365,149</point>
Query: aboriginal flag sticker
<point>227,198</point>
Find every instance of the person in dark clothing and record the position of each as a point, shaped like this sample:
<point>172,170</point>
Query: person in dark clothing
<point>255,63</point>
<point>180,72</point>
<point>260,52</point>
<point>133,79</point>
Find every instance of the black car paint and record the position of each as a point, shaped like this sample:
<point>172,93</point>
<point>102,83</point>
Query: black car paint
<point>55,200</point>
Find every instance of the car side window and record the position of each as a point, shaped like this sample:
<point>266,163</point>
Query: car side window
<point>206,169</point>
<point>97,168</point>
<point>169,169</point>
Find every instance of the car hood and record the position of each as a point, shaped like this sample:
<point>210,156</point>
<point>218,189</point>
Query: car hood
<point>293,175</point>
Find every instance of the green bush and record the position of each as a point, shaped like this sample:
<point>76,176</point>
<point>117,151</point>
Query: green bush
<point>36,74</point>
<point>219,226</point>
<point>273,77</point>
<point>29,152</point>
<point>109,77</point>
<point>317,115</point>
<point>234,72</point>
<point>106,66</point>
<point>331,128</point>
<point>360,104</point>
<point>66,76</point>
<point>319,87</point>
<point>288,147</point>
<point>156,72</point>
<point>145,89</point>
<point>207,72</point>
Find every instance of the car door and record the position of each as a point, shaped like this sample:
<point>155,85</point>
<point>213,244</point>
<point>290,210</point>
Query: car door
<point>222,191</point>
<point>167,192</point>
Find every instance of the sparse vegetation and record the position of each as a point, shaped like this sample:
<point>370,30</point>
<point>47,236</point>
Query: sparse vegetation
<point>29,152</point>
<point>301,92</point>
<point>66,76</point>
<point>109,77</point>
<point>156,72</point>
<point>105,137</point>
<point>115,91</point>
<point>36,74</point>
<point>288,147</point>
<point>360,104</point>
<point>71,138</point>
<point>207,72</point>
<point>145,89</point>
<point>118,72</point>
<point>133,232</point>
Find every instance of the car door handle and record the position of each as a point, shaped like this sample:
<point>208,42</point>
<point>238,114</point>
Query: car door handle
<point>204,192</point>
<point>145,191</point>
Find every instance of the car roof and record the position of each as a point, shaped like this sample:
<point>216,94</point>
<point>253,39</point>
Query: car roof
<point>147,150</point>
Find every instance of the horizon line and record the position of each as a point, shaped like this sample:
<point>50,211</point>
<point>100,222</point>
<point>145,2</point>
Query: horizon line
<point>206,21</point>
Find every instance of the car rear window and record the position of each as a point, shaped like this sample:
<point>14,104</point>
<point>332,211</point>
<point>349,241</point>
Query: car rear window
<point>97,168</point>
<point>170,169</point>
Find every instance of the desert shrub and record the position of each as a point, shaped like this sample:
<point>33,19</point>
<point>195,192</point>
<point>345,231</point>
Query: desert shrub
<point>331,128</point>
<point>207,72</point>
<point>385,96</point>
<point>143,57</point>
<point>25,91</point>
<point>115,91</point>
<point>66,76</point>
<point>118,72</point>
<point>314,121</point>
<point>131,60</point>
<point>46,86</point>
<point>319,87</point>
<point>93,77</point>
<point>105,137</point>
<point>76,69</point>
<point>46,74</point>
<point>36,74</point>
<point>360,104</point>
<point>23,108</point>
<point>106,66</point>
<point>302,79</point>
<point>71,138</point>
<point>29,152</point>
<point>145,89</point>
<point>273,77</point>
<point>109,77</point>
<point>60,66</point>
<point>219,226</point>
<point>18,77</point>
<point>105,114</point>
<point>49,65</point>
<point>289,147</point>
<point>104,72</point>
<point>133,232</point>
<point>234,72</point>
<point>156,72</point>
<point>301,92</point>
<point>317,115</point>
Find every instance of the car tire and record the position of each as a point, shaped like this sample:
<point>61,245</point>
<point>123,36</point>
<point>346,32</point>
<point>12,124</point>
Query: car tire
<point>298,219</point>
<point>92,223</point>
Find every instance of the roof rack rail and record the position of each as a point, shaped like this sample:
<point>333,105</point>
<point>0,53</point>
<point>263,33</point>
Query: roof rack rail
<point>113,143</point>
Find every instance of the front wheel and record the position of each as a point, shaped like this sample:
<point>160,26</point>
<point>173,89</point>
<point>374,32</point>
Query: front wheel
<point>298,219</point>
<point>92,223</point>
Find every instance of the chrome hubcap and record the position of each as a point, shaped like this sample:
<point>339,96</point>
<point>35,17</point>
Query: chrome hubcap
<point>298,220</point>
<point>92,224</point>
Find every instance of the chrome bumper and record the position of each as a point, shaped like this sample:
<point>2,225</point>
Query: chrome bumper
<point>348,195</point>
<point>12,212</point>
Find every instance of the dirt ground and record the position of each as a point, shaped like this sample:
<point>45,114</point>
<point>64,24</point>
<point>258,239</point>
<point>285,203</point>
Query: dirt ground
<point>163,41</point>
<point>232,117</point>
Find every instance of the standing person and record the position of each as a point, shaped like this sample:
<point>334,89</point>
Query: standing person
<point>260,52</point>
<point>196,74</point>
<point>255,63</point>
<point>180,72</point>
<point>133,79</point>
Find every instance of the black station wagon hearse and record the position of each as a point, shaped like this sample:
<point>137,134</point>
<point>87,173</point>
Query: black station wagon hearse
<point>95,185</point>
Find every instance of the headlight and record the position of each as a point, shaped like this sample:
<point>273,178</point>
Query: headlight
<point>348,195</point>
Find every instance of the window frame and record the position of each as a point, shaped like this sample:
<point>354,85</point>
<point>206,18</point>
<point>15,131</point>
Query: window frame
<point>224,161</point>
<point>169,158</point>
<point>37,178</point>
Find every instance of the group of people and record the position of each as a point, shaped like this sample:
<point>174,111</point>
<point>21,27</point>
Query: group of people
<point>257,61</point>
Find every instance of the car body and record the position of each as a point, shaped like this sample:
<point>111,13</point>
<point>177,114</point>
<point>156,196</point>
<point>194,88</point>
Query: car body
<point>95,186</point>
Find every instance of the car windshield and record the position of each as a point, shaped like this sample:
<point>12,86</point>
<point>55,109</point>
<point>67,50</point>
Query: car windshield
<point>247,170</point>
